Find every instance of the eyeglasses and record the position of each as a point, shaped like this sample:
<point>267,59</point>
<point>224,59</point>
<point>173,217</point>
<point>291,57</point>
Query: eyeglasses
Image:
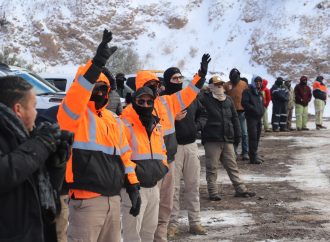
<point>141,102</point>
<point>177,78</point>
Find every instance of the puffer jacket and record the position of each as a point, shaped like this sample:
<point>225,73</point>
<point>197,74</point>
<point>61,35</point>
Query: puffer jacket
<point>253,103</point>
<point>222,123</point>
<point>266,93</point>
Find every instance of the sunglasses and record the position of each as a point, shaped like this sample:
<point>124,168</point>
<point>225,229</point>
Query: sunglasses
<point>141,102</point>
<point>177,78</point>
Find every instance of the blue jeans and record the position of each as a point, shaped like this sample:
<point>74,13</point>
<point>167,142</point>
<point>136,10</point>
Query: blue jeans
<point>245,142</point>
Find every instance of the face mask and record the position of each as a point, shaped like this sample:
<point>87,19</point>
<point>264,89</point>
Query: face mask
<point>218,92</point>
<point>235,78</point>
<point>173,88</point>
<point>143,111</point>
<point>100,99</point>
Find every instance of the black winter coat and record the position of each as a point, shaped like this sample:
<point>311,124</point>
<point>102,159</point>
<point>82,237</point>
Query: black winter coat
<point>252,101</point>
<point>20,158</point>
<point>222,123</point>
<point>186,129</point>
<point>280,94</point>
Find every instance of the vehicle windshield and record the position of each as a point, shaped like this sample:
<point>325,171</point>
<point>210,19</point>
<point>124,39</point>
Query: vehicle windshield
<point>40,85</point>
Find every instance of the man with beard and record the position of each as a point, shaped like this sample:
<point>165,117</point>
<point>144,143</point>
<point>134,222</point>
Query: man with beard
<point>187,164</point>
<point>100,164</point>
<point>234,88</point>
<point>219,135</point>
<point>149,153</point>
<point>252,101</point>
<point>303,96</point>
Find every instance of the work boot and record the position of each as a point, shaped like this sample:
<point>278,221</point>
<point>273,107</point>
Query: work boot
<point>215,197</point>
<point>172,231</point>
<point>245,194</point>
<point>197,229</point>
<point>259,158</point>
<point>284,130</point>
<point>276,130</point>
<point>292,129</point>
<point>318,127</point>
<point>255,161</point>
<point>323,127</point>
<point>245,157</point>
<point>304,128</point>
<point>268,130</point>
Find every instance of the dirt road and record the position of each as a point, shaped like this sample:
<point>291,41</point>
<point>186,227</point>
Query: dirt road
<point>293,194</point>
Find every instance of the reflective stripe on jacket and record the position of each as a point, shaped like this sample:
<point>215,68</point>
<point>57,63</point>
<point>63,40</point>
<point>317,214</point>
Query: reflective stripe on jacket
<point>149,154</point>
<point>100,153</point>
<point>168,106</point>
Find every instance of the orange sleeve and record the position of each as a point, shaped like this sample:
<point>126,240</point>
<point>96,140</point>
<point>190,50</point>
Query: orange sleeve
<point>126,153</point>
<point>182,99</point>
<point>75,102</point>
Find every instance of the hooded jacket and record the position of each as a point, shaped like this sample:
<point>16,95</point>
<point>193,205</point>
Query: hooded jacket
<point>266,93</point>
<point>252,101</point>
<point>149,153</point>
<point>168,106</point>
<point>303,94</point>
<point>101,156</point>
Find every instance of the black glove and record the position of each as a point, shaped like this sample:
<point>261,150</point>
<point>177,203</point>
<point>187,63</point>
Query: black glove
<point>103,51</point>
<point>204,65</point>
<point>61,156</point>
<point>134,196</point>
<point>49,134</point>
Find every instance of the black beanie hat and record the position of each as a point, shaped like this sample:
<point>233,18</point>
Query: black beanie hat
<point>169,73</point>
<point>170,87</point>
<point>279,81</point>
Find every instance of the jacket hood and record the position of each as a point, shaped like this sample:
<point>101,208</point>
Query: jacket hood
<point>264,84</point>
<point>144,76</point>
<point>103,78</point>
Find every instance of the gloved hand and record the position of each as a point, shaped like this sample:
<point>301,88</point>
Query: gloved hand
<point>103,51</point>
<point>204,65</point>
<point>134,196</point>
<point>61,156</point>
<point>49,134</point>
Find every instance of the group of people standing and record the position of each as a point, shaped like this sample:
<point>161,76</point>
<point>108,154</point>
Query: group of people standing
<point>123,173</point>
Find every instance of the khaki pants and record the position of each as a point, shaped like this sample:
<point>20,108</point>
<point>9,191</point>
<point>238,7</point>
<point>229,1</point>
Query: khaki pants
<point>187,166</point>
<point>95,219</point>
<point>142,227</point>
<point>301,116</point>
<point>265,119</point>
<point>223,152</point>
<point>289,121</point>
<point>165,204</point>
<point>319,109</point>
<point>62,220</point>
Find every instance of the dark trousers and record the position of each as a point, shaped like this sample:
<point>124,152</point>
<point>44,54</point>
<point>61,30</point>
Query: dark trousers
<point>279,115</point>
<point>254,131</point>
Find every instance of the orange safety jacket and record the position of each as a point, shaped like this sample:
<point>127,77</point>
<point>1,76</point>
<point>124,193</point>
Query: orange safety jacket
<point>321,88</point>
<point>149,153</point>
<point>100,157</point>
<point>168,106</point>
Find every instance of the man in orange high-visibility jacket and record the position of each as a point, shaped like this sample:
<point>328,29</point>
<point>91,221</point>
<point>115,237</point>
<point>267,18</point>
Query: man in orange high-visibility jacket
<point>145,136</point>
<point>166,108</point>
<point>320,94</point>
<point>100,163</point>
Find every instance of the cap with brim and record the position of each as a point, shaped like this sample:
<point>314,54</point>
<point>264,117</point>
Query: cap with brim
<point>216,80</point>
<point>144,91</point>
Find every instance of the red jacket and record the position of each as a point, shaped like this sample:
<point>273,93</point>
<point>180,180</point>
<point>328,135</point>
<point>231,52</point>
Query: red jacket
<point>266,93</point>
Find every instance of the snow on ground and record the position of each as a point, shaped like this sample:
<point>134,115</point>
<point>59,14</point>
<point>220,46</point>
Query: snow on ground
<point>310,173</point>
